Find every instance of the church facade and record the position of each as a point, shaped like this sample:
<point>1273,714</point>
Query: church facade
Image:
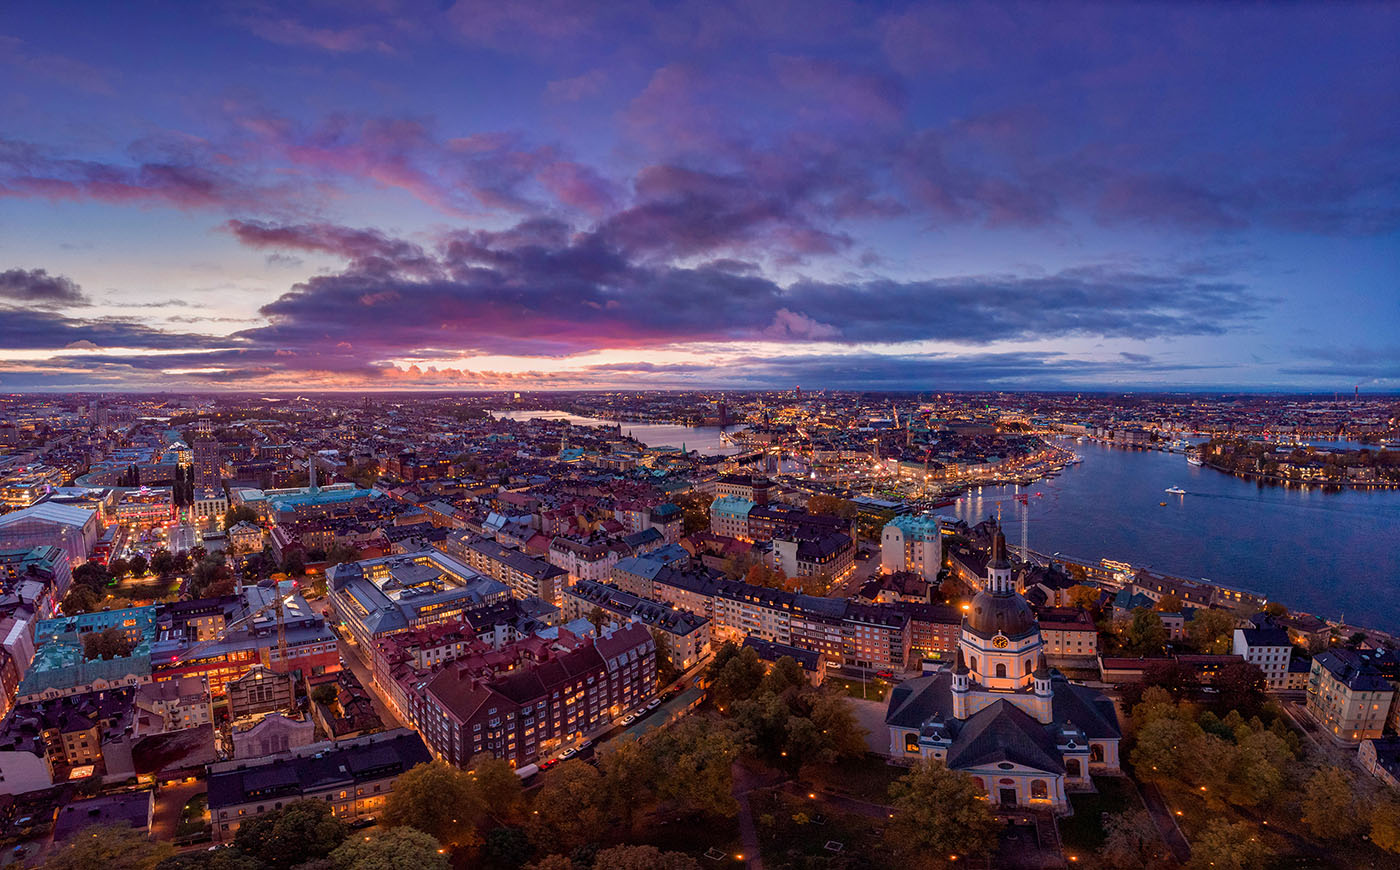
<point>1001,714</point>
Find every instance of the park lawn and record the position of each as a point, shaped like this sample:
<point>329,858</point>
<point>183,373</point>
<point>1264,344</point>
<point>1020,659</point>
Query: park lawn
<point>788,828</point>
<point>695,837</point>
<point>1084,832</point>
<point>874,689</point>
<point>867,778</point>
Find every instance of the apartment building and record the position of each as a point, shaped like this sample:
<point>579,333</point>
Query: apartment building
<point>525,575</point>
<point>525,714</point>
<point>1347,694</point>
<point>1269,649</point>
<point>687,634</point>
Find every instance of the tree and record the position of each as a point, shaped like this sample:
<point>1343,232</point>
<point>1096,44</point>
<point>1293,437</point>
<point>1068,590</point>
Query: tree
<point>324,694</point>
<point>1211,631</point>
<point>735,674</point>
<point>163,563</point>
<point>294,564</point>
<point>239,513</point>
<point>666,669</point>
<point>110,643</point>
<point>695,511</point>
<point>940,812</point>
<point>81,599</point>
<point>629,780</point>
<point>138,565</point>
<point>437,799</point>
<point>760,574</point>
<point>1132,842</point>
<point>1167,749</point>
<point>339,553</point>
<point>1276,610</point>
<point>553,862</point>
<point>1168,603</point>
<point>695,758</point>
<point>1330,805</point>
<point>219,859</point>
<point>301,831</point>
<point>1223,846</point>
<point>1145,633</point>
<point>642,858</point>
<point>394,849</point>
<point>570,809</point>
<point>109,847</point>
<point>1385,823</point>
<point>830,505</point>
<point>118,568</point>
<point>599,618</point>
<point>1085,597</point>
<point>497,788</point>
<point>1239,685</point>
<point>507,848</point>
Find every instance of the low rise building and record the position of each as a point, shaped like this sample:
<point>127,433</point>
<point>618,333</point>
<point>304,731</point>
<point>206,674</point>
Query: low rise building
<point>1380,757</point>
<point>1070,635</point>
<point>355,777</point>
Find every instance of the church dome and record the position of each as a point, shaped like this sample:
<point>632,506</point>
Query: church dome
<point>992,613</point>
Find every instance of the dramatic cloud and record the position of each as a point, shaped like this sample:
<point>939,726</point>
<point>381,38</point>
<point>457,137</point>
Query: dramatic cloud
<point>543,289</point>
<point>37,287</point>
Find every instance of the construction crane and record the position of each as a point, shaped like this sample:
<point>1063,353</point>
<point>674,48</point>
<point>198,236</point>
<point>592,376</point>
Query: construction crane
<point>279,601</point>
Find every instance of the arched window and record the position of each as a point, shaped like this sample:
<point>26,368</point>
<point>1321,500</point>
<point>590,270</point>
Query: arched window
<point>1028,667</point>
<point>972,664</point>
<point>1039,789</point>
<point>1001,670</point>
<point>1072,766</point>
<point>1096,753</point>
<point>980,784</point>
<point>911,743</point>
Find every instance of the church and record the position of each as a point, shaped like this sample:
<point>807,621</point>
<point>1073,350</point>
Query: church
<point>1000,713</point>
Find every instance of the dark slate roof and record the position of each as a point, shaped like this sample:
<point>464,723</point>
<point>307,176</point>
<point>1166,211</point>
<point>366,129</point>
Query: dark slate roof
<point>1266,636</point>
<point>1091,711</point>
<point>1004,732</point>
<point>363,759</point>
<point>913,701</point>
<point>770,651</point>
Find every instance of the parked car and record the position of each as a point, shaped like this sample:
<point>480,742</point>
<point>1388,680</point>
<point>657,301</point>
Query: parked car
<point>885,675</point>
<point>653,703</point>
<point>568,753</point>
<point>584,745</point>
<point>546,765</point>
<point>629,718</point>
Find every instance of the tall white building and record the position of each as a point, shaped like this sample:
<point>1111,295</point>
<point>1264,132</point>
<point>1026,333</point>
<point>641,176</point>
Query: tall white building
<point>1270,649</point>
<point>910,543</point>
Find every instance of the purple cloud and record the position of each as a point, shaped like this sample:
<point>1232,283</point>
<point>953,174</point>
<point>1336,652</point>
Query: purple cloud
<point>38,288</point>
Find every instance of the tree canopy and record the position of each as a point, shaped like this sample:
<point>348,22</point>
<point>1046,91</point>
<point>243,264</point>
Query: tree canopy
<point>437,799</point>
<point>299,832</point>
<point>940,813</point>
<point>109,847</point>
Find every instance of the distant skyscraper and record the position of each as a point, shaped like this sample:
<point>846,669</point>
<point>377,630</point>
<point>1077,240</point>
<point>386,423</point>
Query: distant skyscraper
<point>206,462</point>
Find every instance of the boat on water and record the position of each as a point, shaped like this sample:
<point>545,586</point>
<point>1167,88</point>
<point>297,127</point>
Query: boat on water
<point>1194,461</point>
<point>1176,490</point>
<point>1161,504</point>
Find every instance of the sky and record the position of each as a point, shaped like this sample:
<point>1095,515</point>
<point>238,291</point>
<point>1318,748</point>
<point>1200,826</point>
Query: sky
<point>396,195</point>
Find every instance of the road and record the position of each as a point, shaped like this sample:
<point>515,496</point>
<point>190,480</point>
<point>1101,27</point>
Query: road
<point>352,661</point>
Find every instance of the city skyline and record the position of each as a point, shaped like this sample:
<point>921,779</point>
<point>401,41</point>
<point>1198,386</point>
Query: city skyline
<point>402,196</point>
